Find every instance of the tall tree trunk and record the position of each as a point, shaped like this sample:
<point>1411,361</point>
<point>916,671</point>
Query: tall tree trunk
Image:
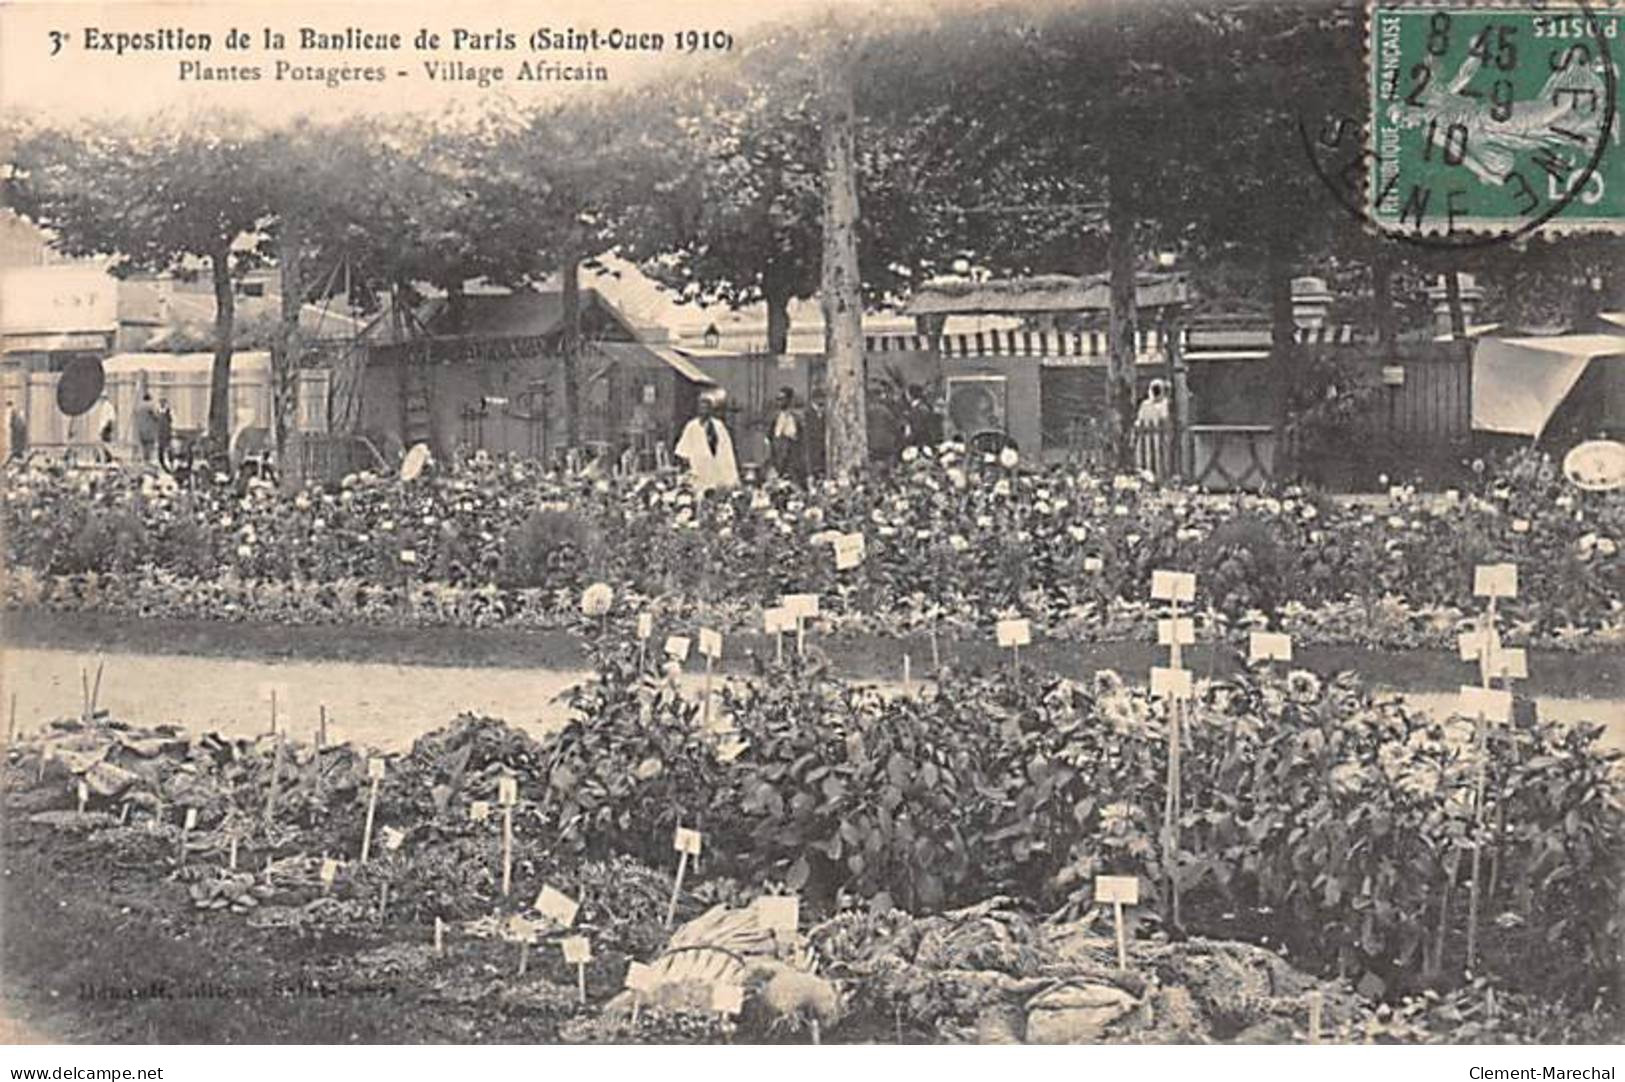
<point>1124,315</point>
<point>778,318</point>
<point>1283,327</point>
<point>1452,300</point>
<point>847,432</point>
<point>1382,300</point>
<point>570,350</point>
<point>286,356</point>
<point>225,313</point>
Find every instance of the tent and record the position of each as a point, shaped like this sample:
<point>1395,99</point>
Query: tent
<point>1549,388</point>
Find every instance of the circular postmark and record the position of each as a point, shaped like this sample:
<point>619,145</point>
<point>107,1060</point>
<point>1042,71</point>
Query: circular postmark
<point>1483,123</point>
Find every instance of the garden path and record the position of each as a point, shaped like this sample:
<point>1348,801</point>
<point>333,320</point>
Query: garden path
<point>384,705</point>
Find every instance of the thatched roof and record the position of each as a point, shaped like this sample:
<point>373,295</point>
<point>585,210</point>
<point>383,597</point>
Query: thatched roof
<point>1044,293</point>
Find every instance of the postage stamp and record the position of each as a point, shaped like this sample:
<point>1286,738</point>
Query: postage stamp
<point>1495,119</point>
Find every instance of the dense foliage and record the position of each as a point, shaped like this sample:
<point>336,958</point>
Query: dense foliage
<point>1316,818</point>
<point>951,543</point>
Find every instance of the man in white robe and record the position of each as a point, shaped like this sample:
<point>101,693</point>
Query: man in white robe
<point>709,451</point>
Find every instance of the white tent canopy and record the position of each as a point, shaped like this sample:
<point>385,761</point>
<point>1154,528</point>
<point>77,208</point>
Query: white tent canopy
<point>1518,383</point>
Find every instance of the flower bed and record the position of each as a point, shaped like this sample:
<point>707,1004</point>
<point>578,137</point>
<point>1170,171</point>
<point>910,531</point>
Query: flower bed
<point>949,545</point>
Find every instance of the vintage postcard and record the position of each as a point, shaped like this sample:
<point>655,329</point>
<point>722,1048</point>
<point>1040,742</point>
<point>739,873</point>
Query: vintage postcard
<point>792,523</point>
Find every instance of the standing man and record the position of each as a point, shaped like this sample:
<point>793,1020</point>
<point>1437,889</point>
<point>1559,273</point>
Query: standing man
<point>146,427</point>
<point>708,449</point>
<point>785,449</point>
<point>166,434</point>
<point>16,433</point>
<point>813,437</point>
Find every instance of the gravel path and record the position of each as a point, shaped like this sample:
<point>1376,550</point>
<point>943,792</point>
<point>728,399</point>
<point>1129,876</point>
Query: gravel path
<point>383,705</point>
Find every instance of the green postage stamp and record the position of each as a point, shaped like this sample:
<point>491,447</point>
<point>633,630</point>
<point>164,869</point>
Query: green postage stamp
<point>1495,119</point>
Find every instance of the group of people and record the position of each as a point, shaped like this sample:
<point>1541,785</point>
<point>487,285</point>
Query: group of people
<point>155,431</point>
<point>795,442</point>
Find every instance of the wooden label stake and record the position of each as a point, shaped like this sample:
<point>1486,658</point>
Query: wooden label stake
<point>557,906</point>
<point>1268,647</point>
<point>276,781</point>
<point>1014,634</point>
<point>375,773</point>
<point>711,648</point>
<point>639,979</point>
<point>1483,704</point>
<point>802,607</point>
<point>508,794</point>
<point>187,825</point>
<point>439,938</point>
<point>1119,890</point>
<point>1176,588</point>
<point>578,952</point>
<point>687,844</point>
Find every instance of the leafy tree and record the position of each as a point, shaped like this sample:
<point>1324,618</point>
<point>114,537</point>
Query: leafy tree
<point>161,198</point>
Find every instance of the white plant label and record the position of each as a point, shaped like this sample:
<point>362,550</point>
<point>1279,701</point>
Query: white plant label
<point>1269,646</point>
<point>1495,580</point>
<point>1013,632</point>
<point>1492,704</point>
<point>508,791</point>
<point>330,871</point>
<point>1511,663</point>
<point>1471,645</point>
<point>640,977</point>
<point>191,819</point>
<point>577,950</point>
<point>557,906</point>
<point>1118,888</point>
<point>848,551</point>
<point>520,930</point>
<point>393,838</point>
<point>778,621</point>
<point>1173,586</point>
<point>779,913</point>
<point>710,644</point>
<point>1094,564</point>
<point>479,811</point>
<point>687,841</point>
<point>375,769</point>
<point>1181,632</point>
<point>646,625</point>
<point>801,606</point>
<point>1170,683</point>
<point>677,647</point>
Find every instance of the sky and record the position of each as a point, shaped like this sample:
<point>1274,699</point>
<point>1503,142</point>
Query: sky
<point>61,60</point>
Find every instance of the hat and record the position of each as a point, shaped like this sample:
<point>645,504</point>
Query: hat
<point>716,397</point>
<point>786,395</point>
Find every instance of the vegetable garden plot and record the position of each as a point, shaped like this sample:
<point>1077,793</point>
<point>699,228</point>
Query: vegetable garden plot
<point>1316,821</point>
